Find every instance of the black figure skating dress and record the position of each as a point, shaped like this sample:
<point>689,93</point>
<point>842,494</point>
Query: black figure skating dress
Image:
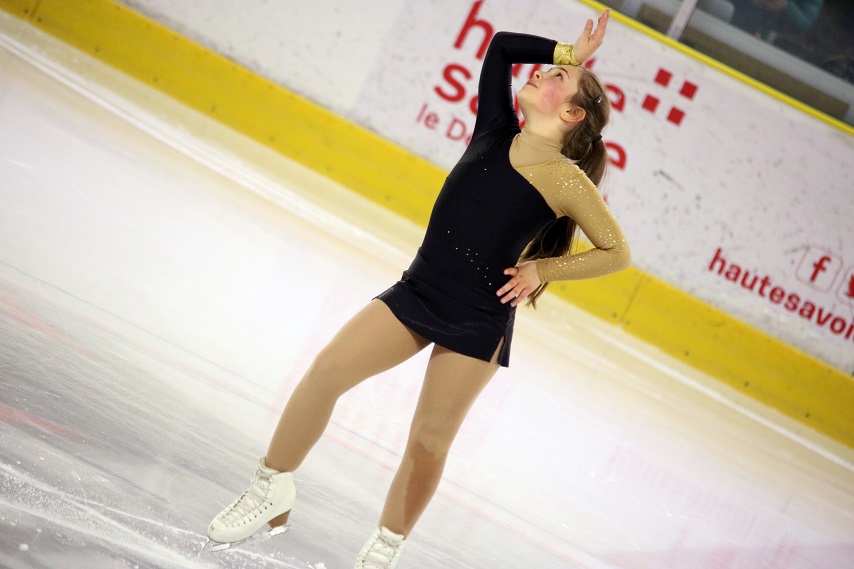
<point>488,211</point>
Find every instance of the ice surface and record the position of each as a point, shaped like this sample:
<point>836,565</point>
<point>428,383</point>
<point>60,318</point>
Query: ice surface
<point>163,283</point>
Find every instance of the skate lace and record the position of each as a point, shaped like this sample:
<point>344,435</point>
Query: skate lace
<point>250,500</point>
<point>381,553</point>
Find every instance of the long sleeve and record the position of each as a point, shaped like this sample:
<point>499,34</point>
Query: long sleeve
<point>495,98</point>
<point>569,192</point>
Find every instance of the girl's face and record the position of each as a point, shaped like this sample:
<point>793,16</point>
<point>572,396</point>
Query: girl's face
<point>548,93</point>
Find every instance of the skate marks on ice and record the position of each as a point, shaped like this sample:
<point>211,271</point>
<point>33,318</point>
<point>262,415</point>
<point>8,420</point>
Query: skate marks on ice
<point>74,522</point>
<point>64,522</point>
<point>89,475</point>
<point>42,523</point>
<point>90,517</point>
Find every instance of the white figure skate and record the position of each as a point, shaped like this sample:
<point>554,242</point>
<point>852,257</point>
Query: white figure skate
<point>382,551</point>
<point>268,500</point>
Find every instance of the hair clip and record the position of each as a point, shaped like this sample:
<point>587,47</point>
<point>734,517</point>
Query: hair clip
<point>599,98</point>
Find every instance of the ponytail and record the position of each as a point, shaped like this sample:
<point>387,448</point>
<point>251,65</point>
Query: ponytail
<point>583,145</point>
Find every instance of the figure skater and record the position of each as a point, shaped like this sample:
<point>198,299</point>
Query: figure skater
<point>500,231</point>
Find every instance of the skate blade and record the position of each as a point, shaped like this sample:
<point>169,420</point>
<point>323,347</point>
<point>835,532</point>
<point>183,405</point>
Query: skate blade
<point>214,546</point>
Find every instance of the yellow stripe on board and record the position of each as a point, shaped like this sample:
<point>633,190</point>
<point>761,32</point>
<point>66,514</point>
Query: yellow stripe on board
<point>20,8</point>
<point>711,340</point>
<point>744,357</point>
<point>714,63</point>
<point>607,297</point>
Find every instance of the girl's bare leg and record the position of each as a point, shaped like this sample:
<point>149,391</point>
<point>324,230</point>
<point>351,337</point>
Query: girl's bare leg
<point>373,341</point>
<point>451,386</point>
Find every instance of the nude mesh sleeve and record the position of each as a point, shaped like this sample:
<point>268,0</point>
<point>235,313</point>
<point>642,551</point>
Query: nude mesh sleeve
<point>569,191</point>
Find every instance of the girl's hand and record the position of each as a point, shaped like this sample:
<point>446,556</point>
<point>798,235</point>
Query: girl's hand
<point>523,282</point>
<point>590,40</point>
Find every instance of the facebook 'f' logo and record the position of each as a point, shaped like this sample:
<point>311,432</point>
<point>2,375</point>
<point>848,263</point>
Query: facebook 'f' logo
<point>819,269</point>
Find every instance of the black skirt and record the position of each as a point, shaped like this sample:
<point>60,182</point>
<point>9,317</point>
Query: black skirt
<point>464,317</point>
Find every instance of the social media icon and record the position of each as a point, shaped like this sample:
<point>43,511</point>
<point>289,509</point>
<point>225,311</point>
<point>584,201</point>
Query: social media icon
<point>819,269</point>
<point>845,292</point>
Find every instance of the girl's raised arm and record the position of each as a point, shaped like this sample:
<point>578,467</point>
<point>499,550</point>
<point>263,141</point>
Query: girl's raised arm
<point>495,98</point>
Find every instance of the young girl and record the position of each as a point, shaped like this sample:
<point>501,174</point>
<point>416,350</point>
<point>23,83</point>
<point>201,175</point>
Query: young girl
<point>500,230</point>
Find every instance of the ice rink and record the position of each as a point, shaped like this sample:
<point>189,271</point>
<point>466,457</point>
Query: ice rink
<point>164,283</point>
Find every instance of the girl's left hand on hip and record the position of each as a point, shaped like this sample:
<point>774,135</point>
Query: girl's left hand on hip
<point>524,280</point>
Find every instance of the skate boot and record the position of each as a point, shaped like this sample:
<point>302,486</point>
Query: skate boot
<point>382,551</point>
<point>268,500</point>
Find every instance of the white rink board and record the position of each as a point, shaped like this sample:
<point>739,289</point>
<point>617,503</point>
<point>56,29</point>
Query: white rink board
<point>741,173</point>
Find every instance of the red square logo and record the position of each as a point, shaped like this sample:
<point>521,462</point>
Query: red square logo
<point>663,77</point>
<point>688,90</point>
<point>675,116</point>
<point>650,103</point>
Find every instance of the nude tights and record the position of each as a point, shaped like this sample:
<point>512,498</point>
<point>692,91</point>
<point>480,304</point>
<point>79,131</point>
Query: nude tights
<point>373,341</point>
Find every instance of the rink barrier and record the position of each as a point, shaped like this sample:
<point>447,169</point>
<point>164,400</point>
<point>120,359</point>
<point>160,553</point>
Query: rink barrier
<point>723,68</point>
<point>681,325</point>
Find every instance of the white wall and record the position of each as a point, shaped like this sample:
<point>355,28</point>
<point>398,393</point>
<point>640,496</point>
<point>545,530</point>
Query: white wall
<point>320,49</point>
<point>768,185</point>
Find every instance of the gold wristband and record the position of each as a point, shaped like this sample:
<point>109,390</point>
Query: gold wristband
<point>565,54</point>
